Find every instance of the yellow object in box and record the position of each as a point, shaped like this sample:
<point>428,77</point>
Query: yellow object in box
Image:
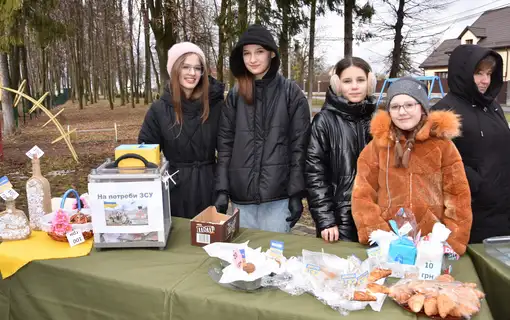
<point>148,151</point>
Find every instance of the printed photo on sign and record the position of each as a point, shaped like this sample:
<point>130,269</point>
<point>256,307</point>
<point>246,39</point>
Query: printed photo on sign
<point>128,207</point>
<point>126,213</point>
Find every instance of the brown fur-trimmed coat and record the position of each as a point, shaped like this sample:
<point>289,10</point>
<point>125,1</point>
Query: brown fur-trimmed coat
<point>434,186</point>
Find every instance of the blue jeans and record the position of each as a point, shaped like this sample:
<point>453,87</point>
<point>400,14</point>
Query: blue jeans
<point>269,216</point>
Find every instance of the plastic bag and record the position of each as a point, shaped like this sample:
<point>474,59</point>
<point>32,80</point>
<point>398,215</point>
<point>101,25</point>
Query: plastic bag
<point>406,223</point>
<point>443,296</point>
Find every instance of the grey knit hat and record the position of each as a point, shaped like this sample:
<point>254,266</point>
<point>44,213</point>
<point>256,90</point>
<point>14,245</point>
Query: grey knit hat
<point>411,87</point>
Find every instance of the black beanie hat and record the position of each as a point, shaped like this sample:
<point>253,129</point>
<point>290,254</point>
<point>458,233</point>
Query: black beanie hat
<point>255,34</point>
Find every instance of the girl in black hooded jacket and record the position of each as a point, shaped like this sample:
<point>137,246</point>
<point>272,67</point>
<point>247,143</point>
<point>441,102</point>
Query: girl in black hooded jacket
<point>184,122</point>
<point>262,138</point>
<point>339,133</point>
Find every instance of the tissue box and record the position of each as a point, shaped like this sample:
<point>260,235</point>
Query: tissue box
<point>403,251</point>
<point>210,226</point>
<point>149,151</point>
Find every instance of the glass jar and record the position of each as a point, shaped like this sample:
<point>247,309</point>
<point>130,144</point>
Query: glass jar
<point>13,223</point>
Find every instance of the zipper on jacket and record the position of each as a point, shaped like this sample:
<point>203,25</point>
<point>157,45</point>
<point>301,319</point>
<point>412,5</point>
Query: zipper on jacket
<point>359,125</point>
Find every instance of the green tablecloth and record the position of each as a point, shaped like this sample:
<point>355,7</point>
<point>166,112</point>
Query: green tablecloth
<point>173,284</point>
<point>495,277</point>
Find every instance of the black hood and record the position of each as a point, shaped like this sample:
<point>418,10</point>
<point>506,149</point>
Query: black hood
<point>255,34</point>
<point>348,110</point>
<point>216,92</point>
<point>461,68</point>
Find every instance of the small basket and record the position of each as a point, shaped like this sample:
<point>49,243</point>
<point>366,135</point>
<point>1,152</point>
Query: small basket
<point>78,220</point>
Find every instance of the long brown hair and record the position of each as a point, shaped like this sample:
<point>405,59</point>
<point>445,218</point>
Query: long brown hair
<point>200,91</point>
<point>403,155</point>
<point>246,87</point>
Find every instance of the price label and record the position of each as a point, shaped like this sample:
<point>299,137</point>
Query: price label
<point>276,249</point>
<point>35,151</point>
<point>9,194</point>
<point>349,279</point>
<point>429,270</point>
<point>363,278</point>
<point>313,269</point>
<point>405,229</point>
<point>75,237</point>
<point>375,253</point>
<point>5,184</point>
<point>237,258</point>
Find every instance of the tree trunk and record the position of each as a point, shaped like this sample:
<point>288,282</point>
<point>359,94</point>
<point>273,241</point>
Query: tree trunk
<point>131,56</point>
<point>348,37</point>
<point>7,110</point>
<point>107,47</point>
<point>118,49</point>
<point>311,48</point>
<point>15,77</point>
<point>25,75</point>
<point>138,72</point>
<point>284,41</point>
<point>158,83</point>
<point>397,42</point>
<point>146,31</point>
<point>164,33</point>
<point>221,39</point>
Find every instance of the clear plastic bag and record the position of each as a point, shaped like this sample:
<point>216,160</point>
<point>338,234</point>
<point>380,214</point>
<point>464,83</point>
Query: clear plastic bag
<point>444,297</point>
<point>406,222</point>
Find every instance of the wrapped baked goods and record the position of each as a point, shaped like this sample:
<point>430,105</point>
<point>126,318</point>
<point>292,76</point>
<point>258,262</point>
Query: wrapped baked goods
<point>444,297</point>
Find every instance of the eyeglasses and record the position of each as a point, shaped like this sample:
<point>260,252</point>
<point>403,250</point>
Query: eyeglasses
<point>408,107</point>
<point>189,69</point>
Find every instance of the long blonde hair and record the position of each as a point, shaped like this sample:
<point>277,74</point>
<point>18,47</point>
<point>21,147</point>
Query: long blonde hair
<point>200,91</point>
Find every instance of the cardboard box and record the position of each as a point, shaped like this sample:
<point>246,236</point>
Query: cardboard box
<point>148,151</point>
<point>210,226</point>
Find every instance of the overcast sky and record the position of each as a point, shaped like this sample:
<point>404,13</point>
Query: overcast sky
<point>458,15</point>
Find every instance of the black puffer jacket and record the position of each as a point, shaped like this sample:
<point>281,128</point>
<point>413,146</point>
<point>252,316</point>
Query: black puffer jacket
<point>484,144</point>
<point>339,133</point>
<point>190,149</point>
<point>262,147</point>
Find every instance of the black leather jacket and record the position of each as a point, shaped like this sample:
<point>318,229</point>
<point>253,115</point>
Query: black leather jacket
<point>339,133</point>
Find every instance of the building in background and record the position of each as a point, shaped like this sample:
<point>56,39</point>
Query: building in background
<point>490,30</point>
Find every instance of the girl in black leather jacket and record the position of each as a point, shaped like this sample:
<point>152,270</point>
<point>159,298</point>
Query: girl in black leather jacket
<point>339,132</point>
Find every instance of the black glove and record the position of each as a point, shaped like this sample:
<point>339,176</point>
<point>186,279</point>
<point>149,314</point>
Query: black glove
<point>221,202</point>
<point>296,210</point>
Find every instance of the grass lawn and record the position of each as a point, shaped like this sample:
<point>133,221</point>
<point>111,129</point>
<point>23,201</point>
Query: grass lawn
<point>507,116</point>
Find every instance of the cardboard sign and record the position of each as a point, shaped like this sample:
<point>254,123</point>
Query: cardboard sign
<point>35,151</point>
<point>75,237</point>
<point>9,194</point>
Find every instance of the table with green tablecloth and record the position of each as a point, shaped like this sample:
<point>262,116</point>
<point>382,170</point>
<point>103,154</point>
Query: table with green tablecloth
<point>174,284</point>
<point>495,278</point>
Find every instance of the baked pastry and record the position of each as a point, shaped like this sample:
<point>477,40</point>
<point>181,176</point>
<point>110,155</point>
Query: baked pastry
<point>249,267</point>
<point>378,273</point>
<point>363,296</point>
<point>377,288</point>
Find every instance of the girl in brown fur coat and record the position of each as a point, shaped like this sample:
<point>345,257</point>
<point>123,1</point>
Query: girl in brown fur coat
<point>412,163</point>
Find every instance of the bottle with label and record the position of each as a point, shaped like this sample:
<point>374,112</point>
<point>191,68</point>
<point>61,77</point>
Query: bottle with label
<point>38,196</point>
<point>13,223</point>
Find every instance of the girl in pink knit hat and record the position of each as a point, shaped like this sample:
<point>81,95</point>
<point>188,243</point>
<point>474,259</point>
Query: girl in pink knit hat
<point>184,122</point>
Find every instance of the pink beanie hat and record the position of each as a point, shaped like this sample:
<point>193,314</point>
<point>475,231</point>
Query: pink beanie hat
<point>179,49</point>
